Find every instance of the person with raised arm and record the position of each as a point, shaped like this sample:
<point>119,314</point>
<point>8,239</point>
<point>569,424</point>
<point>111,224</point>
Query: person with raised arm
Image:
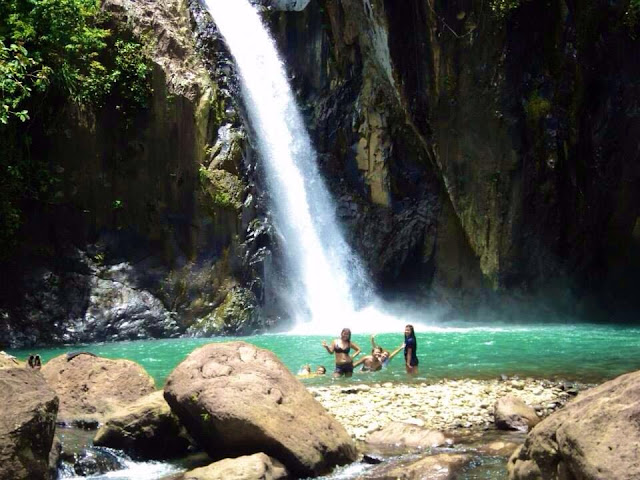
<point>378,359</point>
<point>340,347</point>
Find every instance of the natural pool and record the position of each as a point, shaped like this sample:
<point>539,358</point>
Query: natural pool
<point>584,352</point>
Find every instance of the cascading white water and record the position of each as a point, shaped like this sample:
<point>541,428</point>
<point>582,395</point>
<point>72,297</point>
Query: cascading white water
<point>325,273</point>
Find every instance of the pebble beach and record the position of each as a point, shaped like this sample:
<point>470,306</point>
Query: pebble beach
<point>445,405</point>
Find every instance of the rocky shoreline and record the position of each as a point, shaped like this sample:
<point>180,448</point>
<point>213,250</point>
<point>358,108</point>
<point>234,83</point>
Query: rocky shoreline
<point>445,405</point>
<point>244,415</point>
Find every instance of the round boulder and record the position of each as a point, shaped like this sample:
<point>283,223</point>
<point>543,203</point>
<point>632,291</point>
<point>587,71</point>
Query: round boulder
<point>27,424</point>
<point>594,436</point>
<point>511,413</point>
<point>145,429</point>
<point>251,467</point>
<point>237,399</point>
<point>91,388</point>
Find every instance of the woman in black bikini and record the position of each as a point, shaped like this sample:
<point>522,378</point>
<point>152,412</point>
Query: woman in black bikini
<point>341,347</point>
<point>410,348</point>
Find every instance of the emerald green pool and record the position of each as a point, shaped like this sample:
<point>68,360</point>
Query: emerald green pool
<point>588,353</point>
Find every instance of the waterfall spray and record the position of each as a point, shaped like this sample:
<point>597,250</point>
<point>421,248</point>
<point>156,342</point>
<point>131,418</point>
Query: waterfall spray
<point>325,274</point>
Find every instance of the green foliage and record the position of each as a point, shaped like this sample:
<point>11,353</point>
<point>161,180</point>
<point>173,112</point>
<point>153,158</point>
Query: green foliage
<point>537,107</point>
<point>502,8</point>
<point>631,17</point>
<point>61,50</point>
<point>18,76</point>
<point>62,44</point>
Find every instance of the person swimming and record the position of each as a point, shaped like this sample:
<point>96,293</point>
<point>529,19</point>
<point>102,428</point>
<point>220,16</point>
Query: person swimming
<point>378,359</point>
<point>341,348</point>
<point>305,371</point>
<point>384,356</point>
<point>370,363</point>
<point>34,361</point>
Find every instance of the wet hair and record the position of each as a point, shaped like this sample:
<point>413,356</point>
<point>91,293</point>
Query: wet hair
<point>412,334</point>
<point>321,369</point>
<point>346,330</point>
<point>378,349</point>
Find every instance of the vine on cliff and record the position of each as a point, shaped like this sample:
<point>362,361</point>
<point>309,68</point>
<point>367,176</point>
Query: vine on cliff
<point>53,52</point>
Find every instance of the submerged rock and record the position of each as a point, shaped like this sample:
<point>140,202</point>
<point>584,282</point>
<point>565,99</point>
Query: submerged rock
<point>511,413</point>
<point>145,429</point>
<point>96,461</point>
<point>235,399</point>
<point>27,424</point>
<point>594,437</point>
<point>251,467</point>
<point>91,388</point>
<point>443,466</point>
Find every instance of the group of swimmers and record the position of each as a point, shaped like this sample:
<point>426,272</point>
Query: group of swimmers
<point>379,358</point>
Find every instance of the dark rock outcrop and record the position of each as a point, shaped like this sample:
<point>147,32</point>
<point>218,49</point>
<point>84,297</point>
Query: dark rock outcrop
<point>92,388</point>
<point>594,436</point>
<point>252,467</point>
<point>27,424</point>
<point>146,232</point>
<point>514,122</point>
<point>237,399</point>
<point>145,429</point>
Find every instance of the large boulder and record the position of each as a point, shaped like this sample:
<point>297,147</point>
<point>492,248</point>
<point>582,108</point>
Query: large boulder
<point>145,429</point>
<point>511,413</point>
<point>402,434</point>
<point>594,437</point>
<point>92,388</point>
<point>27,424</point>
<point>237,399</point>
<point>8,361</point>
<point>250,467</point>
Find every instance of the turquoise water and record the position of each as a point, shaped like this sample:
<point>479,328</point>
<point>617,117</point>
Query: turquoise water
<point>588,353</point>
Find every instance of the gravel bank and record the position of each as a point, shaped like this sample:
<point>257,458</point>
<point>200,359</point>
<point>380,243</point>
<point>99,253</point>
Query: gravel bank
<point>445,405</point>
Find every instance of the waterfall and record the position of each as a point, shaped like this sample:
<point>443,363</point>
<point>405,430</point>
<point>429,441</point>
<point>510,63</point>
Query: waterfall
<point>326,276</point>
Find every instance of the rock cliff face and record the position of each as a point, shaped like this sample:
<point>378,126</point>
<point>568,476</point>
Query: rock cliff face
<point>494,143</point>
<point>147,229</point>
<point>475,147</point>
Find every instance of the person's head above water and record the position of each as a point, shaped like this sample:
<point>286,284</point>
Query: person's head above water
<point>384,356</point>
<point>321,370</point>
<point>408,332</point>
<point>376,351</point>
<point>306,369</point>
<point>345,335</point>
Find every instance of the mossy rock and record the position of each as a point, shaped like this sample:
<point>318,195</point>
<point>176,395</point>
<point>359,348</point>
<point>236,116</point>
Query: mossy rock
<point>236,315</point>
<point>224,189</point>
